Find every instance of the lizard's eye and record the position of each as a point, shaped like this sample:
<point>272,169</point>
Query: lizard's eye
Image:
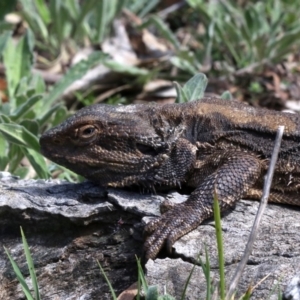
<point>86,132</point>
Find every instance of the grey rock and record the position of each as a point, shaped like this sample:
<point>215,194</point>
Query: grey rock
<point>71,226</point>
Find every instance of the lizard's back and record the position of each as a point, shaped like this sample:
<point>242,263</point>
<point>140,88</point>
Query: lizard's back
<point>234,125</point>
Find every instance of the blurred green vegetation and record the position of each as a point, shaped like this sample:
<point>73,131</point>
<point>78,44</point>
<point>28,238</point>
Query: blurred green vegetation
<point>219,38</point>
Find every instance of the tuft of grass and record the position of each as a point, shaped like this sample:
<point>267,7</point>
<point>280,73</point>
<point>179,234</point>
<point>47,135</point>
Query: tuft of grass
<point>20,277</point>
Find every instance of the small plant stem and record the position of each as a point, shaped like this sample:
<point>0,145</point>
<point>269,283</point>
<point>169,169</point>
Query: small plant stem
<point>217,218</point>
<point>262,206</point>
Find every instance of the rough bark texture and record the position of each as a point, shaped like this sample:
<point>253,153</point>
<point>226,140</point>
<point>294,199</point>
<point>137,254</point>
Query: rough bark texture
<point>70,226</point>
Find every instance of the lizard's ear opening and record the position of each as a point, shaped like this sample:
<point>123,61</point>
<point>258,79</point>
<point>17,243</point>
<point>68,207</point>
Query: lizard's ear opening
<point>146,150</point>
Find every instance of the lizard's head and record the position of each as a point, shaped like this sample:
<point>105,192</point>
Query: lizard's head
<point>113,145</point>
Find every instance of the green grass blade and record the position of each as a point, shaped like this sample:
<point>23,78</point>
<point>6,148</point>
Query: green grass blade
<point>207,276</point>
<point>247,295</point>
<point>139,282</point>
<point>84,9</point>
<point>206,270</point>
<point>136,6</point>
<point>108,282</point>
<point>34,20</point>
<point>20,277</point>
<point>43,11</point>
<point>104,8</point>
<point>149,5</point>
<point>187,283</point>
<point>30,266</point>
<point>217,218</point>
<point>141,275</point>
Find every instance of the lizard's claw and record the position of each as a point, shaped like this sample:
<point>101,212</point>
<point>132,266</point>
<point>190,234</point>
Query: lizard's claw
<point>172,225</point>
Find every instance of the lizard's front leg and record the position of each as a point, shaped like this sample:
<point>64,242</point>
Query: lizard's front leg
<point>232,179</point>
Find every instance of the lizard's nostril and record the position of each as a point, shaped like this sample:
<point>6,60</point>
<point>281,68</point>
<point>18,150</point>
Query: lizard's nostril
<point>57,141</point>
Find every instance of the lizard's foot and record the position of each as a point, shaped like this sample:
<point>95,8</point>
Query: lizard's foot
<point>164,231</point>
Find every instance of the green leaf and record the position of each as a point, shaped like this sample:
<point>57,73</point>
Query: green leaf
<point>17,60</point>
<point>15,156</point>
<point>60,115</point>
<point>37,83</point>
<point>31,125</point>
<point>152,292</point>
<point>195,87</point>
<point>227,95</point>
<point>3,155</point>
<point>164,30</point>
<point>20,277</point>
<point>4,37</point>
<point>4,119</point>
<point>21,172</point>
<point>21,90</point>
<point>25,107</point>
<point>44,118</point>
<point>19,135</point>
<point>6,7</point>
<point>122,68</point>
<point>181,96</point>
<point>75,73</point>
<point>183,64</point>
<point>30,266</point>
<point>37,161</point>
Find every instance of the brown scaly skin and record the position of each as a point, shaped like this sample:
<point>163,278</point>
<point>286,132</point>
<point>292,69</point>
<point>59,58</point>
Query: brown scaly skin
<point>209,145</point>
